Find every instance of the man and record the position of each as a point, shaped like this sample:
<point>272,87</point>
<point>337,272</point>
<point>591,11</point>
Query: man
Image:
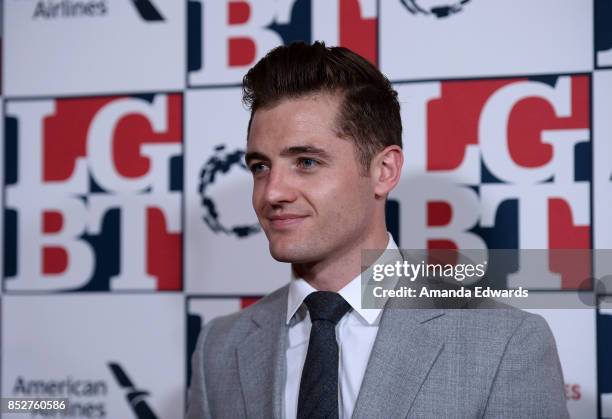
<point>324,147</point>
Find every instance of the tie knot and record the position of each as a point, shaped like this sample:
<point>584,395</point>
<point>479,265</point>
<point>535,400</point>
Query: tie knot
<point>326,305</point>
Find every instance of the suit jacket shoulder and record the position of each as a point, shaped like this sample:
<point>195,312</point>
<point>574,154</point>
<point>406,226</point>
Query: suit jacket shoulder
<point>234,355</point>
<point>228,331</point>
<point>480,362</point>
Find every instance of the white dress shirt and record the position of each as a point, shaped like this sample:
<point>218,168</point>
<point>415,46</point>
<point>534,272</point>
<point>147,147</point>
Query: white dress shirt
<point>355,333</point>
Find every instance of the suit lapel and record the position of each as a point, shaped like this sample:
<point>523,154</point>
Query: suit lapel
<point>403,354</point>
<point>261,360</point>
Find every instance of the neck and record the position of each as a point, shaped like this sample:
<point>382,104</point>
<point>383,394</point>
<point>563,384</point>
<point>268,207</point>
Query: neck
<point>338,269</point>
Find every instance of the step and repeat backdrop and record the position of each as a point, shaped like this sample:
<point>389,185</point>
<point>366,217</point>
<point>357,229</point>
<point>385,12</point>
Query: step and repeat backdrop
<point>127,221</point>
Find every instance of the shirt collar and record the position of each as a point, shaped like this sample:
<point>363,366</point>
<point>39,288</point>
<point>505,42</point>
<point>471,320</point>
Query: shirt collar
<point>299,289</point>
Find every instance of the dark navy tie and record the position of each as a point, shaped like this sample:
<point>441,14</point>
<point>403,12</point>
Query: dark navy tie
<point>318,396</point>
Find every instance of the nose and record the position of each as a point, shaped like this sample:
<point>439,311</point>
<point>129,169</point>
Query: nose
<point>279,188</point>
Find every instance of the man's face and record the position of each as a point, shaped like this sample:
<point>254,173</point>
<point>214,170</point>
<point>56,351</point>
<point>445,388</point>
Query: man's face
<point>309,195</point>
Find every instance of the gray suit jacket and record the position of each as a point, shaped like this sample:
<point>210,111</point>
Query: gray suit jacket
<point>425,363</point>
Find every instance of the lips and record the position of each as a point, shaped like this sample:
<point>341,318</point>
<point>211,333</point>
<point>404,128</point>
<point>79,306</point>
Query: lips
<point>285,220</point>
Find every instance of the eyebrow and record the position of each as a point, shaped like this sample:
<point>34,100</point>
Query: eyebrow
<point>254,155</point>
<point>304,149</point>
<point>288,152</point>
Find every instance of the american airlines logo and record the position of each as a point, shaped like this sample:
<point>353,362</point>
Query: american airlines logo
<point>135,396</point>
<point>50,9</point>
<point>147,10</point>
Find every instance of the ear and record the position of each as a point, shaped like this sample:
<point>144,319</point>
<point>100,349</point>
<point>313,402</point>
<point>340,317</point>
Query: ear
<point>386,169</point>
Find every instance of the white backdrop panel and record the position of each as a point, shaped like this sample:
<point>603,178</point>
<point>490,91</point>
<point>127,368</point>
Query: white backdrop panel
<point>486,38</point>
<point>111,48</point>
<point>71,339</point>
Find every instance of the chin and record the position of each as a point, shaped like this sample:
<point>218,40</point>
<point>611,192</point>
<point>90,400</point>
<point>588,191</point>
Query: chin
<point>291,254</point>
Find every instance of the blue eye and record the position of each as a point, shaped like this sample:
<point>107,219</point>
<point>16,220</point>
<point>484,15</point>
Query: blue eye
<point>307,163</point>
<point>257,168</point>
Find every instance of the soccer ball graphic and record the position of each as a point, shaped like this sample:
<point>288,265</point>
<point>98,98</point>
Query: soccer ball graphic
<point>438,8</point>
<point>219,164</point>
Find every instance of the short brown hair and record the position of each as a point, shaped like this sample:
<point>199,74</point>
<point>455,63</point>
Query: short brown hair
<point>369,112</point>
